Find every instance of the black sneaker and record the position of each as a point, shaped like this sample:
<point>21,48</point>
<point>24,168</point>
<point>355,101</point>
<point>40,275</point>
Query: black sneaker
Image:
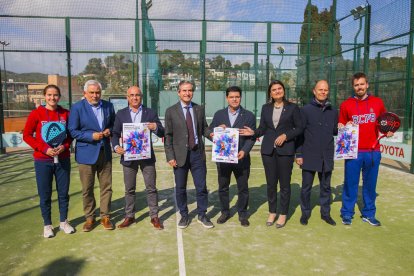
<point>205,221</point>
<point>184,222</point>
<point>329,220</point>
<point>304,220</point>
<point>244,222</point>
<point>223,218</point>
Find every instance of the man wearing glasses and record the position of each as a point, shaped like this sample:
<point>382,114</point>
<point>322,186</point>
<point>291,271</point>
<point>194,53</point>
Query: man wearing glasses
<point>137,113</point>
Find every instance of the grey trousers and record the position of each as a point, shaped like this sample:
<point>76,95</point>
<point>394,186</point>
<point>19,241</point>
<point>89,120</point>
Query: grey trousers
<point>130,180</point>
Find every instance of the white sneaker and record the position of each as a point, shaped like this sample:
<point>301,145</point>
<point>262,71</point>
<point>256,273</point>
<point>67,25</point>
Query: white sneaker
<point>48,231</point>
<point>66,227</point>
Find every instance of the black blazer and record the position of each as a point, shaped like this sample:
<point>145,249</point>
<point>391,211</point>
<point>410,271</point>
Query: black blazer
<point>316,144</point>
<point>176,133</point>
<point>123,116</point>
<point>290,123</point>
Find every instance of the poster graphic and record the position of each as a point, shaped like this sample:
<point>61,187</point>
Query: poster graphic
<point>346,145</point>
<point>136,141</point>
<point>225,145</point>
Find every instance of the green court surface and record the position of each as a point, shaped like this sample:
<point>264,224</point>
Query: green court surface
<point>229,249</point>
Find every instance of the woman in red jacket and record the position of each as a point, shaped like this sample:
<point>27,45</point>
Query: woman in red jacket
<point>43,155</point>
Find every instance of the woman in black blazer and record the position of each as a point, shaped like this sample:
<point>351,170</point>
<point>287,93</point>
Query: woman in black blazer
<point>280,124</point>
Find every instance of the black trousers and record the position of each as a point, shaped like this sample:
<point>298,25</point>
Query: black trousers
<point>278,168</point>
<point>241,173</point>
<point>324,195</point>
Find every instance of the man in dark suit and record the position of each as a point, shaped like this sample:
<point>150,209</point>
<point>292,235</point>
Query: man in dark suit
<point>90,123</point>
<point>315,152</point>
<point>137,113</point>
<point>235,116</point>
<point>185,124</point>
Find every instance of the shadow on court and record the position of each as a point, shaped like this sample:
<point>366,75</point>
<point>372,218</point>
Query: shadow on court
<point>70,266</point>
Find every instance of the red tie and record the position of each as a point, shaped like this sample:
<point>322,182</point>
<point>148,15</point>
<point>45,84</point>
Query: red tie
<point>190,129</point>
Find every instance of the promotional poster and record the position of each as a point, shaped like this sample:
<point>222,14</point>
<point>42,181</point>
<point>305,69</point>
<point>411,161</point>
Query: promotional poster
<point>225,145</point>
<point>136,141</point>
<point>346,145</point>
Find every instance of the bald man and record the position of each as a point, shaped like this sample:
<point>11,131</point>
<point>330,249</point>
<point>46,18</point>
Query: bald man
<point>315,152</point>
<point>137,113</point>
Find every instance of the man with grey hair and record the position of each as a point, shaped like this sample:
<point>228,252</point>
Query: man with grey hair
<point>90,123</point>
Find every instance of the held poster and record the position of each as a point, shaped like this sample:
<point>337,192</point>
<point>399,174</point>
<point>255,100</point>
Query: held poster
<point>225,145</point>
<point>346,145</point>
<point>136,141</point>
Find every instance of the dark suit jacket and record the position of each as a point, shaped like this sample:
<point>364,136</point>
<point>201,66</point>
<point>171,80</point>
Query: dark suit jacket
<point>245,118</point>
<point>176,134</point>
<point>316,145</point>
<point>82,124</point>
<point>124,116</point>
<point>290,123</point>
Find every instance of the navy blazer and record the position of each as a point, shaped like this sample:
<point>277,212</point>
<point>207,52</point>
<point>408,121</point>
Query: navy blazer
<point>316,145</point>
<point>290,123</point>
<point>124,116</point>
<point>245,118</point>
<point>82,124</point>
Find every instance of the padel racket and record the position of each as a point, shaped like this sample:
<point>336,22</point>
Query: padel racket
<point>386,122</point>
<point>54,133</point>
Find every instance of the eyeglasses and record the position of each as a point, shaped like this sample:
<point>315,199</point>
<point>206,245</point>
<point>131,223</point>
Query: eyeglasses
<point>135,95</point>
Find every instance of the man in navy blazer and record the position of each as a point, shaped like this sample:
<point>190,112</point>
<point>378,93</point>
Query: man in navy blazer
<point>90,123</point>
<point>235,116</point>
<point>315,152</point>
<point>137,113</point>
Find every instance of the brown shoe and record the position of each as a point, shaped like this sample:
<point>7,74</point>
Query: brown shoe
<point>156,222</point>
<point>127,222</point>
<point>88,226</point>
<point>106,223</point>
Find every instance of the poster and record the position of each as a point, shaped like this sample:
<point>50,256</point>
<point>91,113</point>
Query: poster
<point>225,145</point>
<point>346,145</point>
<point>136,141</point>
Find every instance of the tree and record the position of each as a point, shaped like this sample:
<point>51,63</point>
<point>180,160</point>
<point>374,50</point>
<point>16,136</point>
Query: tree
<point>218,62</point>
<point>95,69</point>
<point>119,74</point>
<point>314,48</point>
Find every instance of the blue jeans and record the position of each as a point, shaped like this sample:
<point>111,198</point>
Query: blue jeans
<point>45,171</point>
<point>369,163</point>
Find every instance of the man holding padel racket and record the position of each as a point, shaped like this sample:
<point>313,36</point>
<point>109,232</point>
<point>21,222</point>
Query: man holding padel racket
<point>362,109</point>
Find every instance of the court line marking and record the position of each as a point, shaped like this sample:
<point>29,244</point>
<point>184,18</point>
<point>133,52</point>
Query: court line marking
<point>180,244</point>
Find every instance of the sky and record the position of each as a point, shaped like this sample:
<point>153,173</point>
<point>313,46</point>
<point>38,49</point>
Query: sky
<point>118,35</point>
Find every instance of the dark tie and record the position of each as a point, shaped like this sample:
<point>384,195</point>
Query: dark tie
<point>190,128</point>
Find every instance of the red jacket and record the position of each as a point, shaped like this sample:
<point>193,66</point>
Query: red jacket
<point>363,113</point>
<point>32,131</point>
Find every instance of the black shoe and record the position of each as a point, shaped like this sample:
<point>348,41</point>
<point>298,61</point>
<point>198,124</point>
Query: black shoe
<point>329,220</point>
<point>304,220</point>
<point>244,222</point>
<point>278,225</point>
<point>184,222</point>
<point>205,221</point>
<point>223,218</point>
